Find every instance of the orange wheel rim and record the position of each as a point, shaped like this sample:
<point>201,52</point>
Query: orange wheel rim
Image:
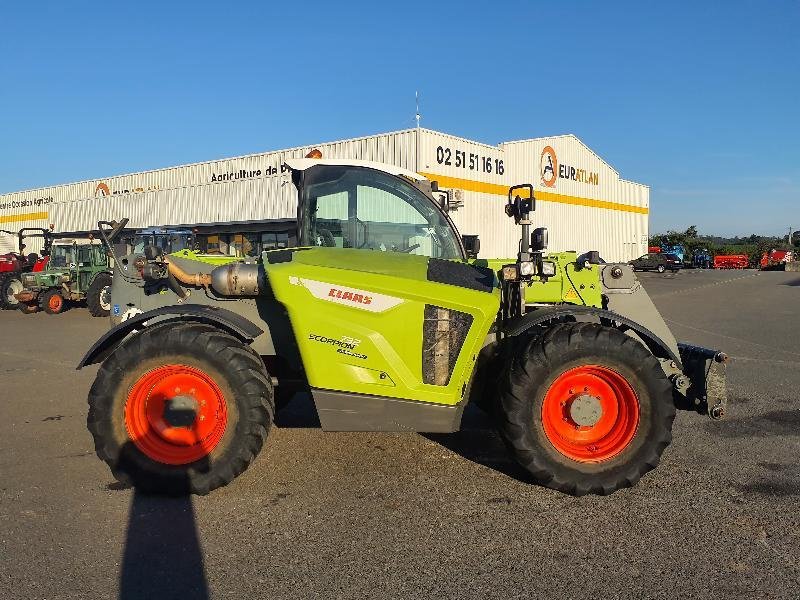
<point>55,302</point>
<point>176,414</point>
<point>590,413</point>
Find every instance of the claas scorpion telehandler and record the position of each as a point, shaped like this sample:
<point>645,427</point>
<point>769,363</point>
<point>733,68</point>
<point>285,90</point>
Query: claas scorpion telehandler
<point>388,319</point>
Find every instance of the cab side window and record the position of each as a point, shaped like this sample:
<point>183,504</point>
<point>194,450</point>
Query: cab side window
<point>84,255</point>
<point>355,207</point>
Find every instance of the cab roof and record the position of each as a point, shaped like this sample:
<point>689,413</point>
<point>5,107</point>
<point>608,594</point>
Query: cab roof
<point>76,241</point>
<point>301,164</point>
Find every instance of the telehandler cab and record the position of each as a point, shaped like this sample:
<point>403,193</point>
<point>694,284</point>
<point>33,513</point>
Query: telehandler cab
<point>381,314</point>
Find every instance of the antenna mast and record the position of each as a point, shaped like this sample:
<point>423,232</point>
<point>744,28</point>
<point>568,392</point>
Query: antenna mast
<point>418,118</point>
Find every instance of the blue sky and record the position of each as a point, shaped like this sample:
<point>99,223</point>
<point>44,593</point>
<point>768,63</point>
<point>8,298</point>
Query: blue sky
<point>700,100</point>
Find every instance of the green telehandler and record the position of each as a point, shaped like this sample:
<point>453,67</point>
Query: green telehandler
<point>386,316</point>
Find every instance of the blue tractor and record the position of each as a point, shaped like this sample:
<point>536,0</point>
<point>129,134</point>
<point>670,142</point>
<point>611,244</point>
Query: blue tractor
<point>702,259</point>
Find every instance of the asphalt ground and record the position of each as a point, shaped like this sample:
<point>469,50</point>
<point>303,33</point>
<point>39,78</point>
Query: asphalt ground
<point>361,515</point>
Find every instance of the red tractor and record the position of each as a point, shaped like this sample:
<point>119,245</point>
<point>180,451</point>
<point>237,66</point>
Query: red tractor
<point>14,264</point>
<point>775,260</point>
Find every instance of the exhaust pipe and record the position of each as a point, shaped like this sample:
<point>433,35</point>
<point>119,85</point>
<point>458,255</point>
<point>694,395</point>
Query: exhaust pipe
<point>235,279</point>
<point>238,279</point>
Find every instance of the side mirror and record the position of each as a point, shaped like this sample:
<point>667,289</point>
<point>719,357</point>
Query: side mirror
<point>539,239</point>
<point>472,244</point>
<point>434,186</point>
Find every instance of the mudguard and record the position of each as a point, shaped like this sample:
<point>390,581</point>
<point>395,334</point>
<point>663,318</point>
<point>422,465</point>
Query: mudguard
<point>229,321</point>
<point>703,389</point>
<point>656,345</point>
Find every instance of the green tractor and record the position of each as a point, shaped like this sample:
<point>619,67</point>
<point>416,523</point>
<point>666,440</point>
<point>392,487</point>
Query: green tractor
<point>77,269</point>
<point>386,316</point>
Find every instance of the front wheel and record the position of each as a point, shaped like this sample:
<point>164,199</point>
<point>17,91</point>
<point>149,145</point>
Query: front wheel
<point>585,409</point>
<point>660,268</point>
<point>52,302</point>
<point>180,409</point>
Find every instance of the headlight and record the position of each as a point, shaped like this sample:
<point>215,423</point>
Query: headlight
<point>527,269</point>
<point>548,269</point>
<point>510,273</point>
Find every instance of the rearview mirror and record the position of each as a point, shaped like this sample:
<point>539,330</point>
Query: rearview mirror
<point>539,239</point>
<point>472,245</point>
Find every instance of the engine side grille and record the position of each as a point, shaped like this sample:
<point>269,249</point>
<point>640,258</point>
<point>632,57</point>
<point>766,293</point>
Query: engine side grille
<point>443,335</point>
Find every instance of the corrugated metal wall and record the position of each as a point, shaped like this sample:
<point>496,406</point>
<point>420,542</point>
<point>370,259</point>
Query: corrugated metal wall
<point>609,215</point>
<point>602,212</point>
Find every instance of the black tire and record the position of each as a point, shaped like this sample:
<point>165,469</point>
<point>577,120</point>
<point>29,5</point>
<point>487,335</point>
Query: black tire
<point>483,390</point>
<point>9,285</point>
<point>661,268</point>
<point>98,298</point>
<point>238,372</point>
<point>52,302</point>
<point>543,359</point>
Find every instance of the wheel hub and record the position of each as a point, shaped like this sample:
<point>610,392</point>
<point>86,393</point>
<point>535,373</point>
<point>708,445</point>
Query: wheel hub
<point>181,411</point>
<point>105,298</point>
<point>590,413</point>
<point>176,414</point>
<point>585,410</point>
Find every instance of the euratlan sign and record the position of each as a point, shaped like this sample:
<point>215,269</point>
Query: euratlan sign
<point>551,170</point>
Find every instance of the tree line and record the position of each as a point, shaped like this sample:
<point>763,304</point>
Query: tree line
<point>754,246</point>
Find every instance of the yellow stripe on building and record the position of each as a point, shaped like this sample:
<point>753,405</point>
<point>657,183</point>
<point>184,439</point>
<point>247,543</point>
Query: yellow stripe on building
<point>502,190</point>
<point>24,217</point>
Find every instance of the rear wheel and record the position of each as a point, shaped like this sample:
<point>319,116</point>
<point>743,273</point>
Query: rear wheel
<point>98,298</point>
<point>52,302</point>
<point>180,409</point>
<point>585,409</point>
<point>9,286</point>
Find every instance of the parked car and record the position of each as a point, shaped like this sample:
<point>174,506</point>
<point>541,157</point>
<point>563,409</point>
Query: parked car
<point>657,262</point>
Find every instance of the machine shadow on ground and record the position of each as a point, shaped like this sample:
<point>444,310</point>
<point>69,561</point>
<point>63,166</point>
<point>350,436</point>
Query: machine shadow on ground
<point>299,414</point>
<point>479,442</point>
<point>163,557</point>
<point>793,282</point>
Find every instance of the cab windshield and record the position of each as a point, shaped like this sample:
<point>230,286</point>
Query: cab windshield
<point>359,207</point>
<point>61,256</point>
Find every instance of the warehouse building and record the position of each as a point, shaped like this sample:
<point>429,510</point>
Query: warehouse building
<point>250,202</point>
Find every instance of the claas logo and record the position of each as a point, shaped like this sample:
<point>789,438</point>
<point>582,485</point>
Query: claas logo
<point>351,296</point>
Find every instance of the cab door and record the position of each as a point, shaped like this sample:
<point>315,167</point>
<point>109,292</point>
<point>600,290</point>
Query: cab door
<point>82,271</point>
<point>367,209</point>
